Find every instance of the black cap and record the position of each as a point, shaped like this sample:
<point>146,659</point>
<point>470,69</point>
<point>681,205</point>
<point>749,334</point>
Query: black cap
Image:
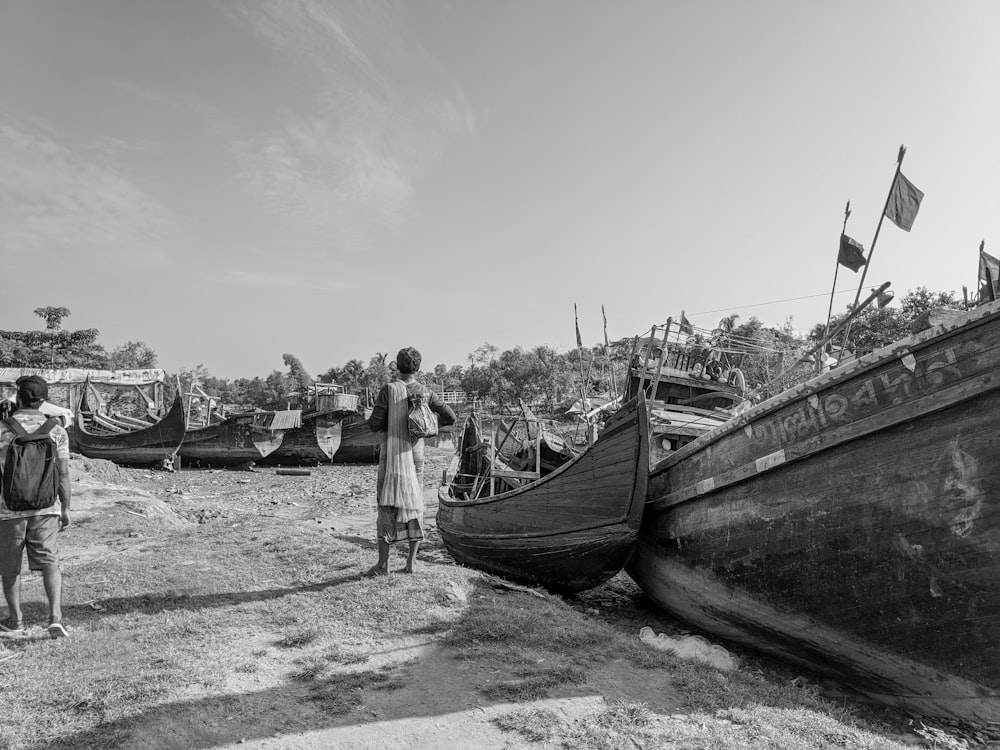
<point>31,388</point>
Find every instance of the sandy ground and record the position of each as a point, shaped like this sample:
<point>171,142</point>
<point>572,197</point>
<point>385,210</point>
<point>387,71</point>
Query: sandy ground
<point>438,705</point>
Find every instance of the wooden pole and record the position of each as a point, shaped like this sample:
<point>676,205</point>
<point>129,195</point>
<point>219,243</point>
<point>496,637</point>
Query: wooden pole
<point>645,364</point>
<point>871,250</point>
<point>607,355</point>
<point>663,357</point>
<point>579,351</point>
<point>836,269</point>
<point>818,347</point>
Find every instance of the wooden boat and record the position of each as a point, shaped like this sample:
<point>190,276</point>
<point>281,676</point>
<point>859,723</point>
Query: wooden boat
<point>691,383</point>
<point>318,438</point>
<point>569,530</point>
<point>358,444</point>
<point>315,442</point>
<point>237,440</point>
<point>522,443</point>
<point>851,524</point>
<point>129,443</point>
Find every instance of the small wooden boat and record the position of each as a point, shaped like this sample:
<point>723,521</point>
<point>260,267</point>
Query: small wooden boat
<point>851,524</point>
<point>358,444</point>
<point>129,442</point>
<point>237,440</point>
<point>569,530</point>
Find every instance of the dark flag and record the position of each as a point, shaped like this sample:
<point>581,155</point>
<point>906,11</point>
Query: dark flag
<point>989,271</point>
<point>576,320</point>
<point>685,326</point>
<point>605,318</point>
<point>904,202</point>
<point>852,253</point>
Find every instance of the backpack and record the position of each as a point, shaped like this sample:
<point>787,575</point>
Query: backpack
<point>422,422</point>
<point>30,475</point>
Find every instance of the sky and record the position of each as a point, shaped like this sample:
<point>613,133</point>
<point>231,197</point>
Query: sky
<point>229,181</point>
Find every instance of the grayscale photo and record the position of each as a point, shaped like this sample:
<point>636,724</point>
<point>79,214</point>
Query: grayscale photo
<point>499,375</point>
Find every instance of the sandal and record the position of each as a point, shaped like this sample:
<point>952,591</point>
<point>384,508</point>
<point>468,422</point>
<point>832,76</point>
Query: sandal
<point>56,630</point>
<point>9,626</point>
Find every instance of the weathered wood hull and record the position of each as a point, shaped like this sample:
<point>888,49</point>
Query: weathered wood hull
<point>143,447</point>
<point>851,525</point>
<point>570,530</point>
<point>315,442</point>
<point>233,442</point>
<point>358,444</point>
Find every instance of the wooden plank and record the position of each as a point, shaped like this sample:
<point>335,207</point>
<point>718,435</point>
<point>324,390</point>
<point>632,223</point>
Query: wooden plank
<point>505,474</point>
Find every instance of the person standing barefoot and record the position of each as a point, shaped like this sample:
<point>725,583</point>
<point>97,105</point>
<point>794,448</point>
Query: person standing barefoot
<point>399,488</point>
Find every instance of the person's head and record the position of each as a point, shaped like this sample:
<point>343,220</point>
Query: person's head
<point>31,391</point>
<point>408,361</point>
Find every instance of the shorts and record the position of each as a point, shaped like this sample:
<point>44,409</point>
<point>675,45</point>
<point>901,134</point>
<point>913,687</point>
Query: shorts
<point>38,534</point>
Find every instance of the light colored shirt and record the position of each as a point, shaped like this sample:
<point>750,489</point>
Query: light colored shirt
<point>52,410</point>
<point>31,420</point>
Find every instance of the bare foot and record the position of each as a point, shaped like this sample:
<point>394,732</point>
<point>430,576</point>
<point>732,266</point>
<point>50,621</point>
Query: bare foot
<point>375,570</point>
<point>407,569</point>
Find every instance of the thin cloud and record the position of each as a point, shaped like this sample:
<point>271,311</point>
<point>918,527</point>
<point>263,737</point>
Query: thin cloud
<point>60,201</point>
<point>351,163</point>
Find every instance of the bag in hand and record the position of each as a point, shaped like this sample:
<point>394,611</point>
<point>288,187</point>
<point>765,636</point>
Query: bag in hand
<point>422,422</point>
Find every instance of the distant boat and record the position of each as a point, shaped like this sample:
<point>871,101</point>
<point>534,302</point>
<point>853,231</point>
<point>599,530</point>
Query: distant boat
<point>851,524</point>
<point>358,444</point>
<point>319,437</point>
<point>569,530</point>
<point>127,441</point>
<point>238,439</point>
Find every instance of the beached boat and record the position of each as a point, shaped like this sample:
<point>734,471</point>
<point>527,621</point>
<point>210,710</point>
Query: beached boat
<point>691,378</point>
<point>569,530</point>
<point>126,441</point>
<point>358,444</point>
<point>315,442</point>
<point>237,440</point>
<point>318,439</point>
<point>851,524</point>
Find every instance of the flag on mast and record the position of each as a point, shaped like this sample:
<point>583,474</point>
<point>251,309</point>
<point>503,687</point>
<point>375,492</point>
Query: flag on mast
<point>989,275</point>
<point>604,316</point>
<point>851,254</point>
<point>576,320</point>
<point>904,202</point>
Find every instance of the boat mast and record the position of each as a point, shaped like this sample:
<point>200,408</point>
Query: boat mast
<point>871,250</point>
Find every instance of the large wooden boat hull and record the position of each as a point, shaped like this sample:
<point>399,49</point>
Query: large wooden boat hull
<point>358,444</point>
<point>315,442</point>
<point>570,530</point>
<point>851,524</point>
<point>142,447</point>
<point>233,442</point>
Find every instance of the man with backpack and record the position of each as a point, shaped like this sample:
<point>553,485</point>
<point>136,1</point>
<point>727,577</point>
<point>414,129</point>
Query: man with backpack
<point>34,469</point>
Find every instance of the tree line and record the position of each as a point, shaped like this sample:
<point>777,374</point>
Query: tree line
<point>536,375</point>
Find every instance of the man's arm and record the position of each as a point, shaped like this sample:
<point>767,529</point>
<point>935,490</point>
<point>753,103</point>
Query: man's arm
<point>62,463</point>
<point>378,420</point>
<point>444,412</point>
<point>64,492</point>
